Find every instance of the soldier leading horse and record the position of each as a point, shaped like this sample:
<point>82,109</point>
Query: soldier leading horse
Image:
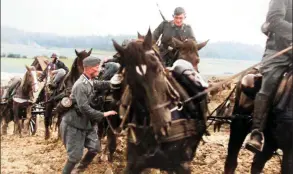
<point>63,90</point>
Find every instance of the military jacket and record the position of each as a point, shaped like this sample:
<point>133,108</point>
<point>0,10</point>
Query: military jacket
<point>169,30</point>
<point>82,115</point>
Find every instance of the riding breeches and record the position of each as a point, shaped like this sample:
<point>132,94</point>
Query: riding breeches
<point>272,70</point>
<point>75,140</point>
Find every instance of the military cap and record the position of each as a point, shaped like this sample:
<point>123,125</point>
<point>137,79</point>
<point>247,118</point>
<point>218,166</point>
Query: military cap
<point>54,55</point>
<point>179,11</point>
<point>91,61</point>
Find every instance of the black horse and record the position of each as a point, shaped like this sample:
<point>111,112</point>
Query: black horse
<point>103,100</point>
<point>149,102</point>
<point>279,129</point>
<point>53,97</point>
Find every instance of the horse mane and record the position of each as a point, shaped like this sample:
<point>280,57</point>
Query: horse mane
<point>75,70</point>
<point>73,73</point>
<point>25,87</point>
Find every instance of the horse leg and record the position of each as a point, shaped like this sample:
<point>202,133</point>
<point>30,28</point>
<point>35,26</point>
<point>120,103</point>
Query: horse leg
<point>5,120</point>
<point>111,143</point>
<point>238,131</point>
<point>48,119</point>
<point>184,168</point>
<point>28,119</point>
<point>287,163</point>
<point>59,119</point>
<point>132,169</point>
<point>58,124</point>
<point>285,141</point>
<point>135,164</point>
<point>261,158</point>
<point>17,120</point>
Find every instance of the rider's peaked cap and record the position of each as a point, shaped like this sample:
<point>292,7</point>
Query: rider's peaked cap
<point>91,61</point>
<point>179,11</point>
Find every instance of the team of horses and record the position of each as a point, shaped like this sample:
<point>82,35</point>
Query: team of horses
<point>163,126</point>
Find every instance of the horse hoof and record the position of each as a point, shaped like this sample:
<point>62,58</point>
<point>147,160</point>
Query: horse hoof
<point>110,158</point>
<point>4,133</point>
<point>47,135</point>
<point>104,158</point>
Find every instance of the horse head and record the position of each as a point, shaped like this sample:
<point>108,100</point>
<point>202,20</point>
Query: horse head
<point>76,68</point>
<point>80,56</point>
<point>145,76</point>
<point>188,50</point>
<point>30,79</point>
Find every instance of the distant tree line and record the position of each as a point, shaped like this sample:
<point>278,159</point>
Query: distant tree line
<point>13,55</point>
<point>225,50</point>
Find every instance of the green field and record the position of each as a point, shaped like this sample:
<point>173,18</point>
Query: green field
<point>17,65</point>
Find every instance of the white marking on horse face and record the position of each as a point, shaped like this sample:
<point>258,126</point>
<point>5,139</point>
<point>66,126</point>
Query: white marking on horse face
<point>35,81</point>
<point>144,69</point>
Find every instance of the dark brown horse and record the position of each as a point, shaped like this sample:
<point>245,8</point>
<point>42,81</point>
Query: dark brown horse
<point>155,140</point>
<point>105,100</point>
<point>64,89</point>
<point>278,132</point>
<point>23,99</point>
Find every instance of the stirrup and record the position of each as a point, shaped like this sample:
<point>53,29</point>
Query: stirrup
<point>249,145</point>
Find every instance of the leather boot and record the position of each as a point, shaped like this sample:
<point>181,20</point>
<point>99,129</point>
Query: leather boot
<point>69,166</point>
<point>88,158</point>
<point>256,140</point>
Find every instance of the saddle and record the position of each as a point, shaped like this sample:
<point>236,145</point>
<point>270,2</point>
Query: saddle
<point>251,84</point>
<point>192,84</point>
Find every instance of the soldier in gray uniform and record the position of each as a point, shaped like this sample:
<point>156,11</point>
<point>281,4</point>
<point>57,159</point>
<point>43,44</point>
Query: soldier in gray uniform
<point>76,127</point>
<point>278,27</point>
<point>168,29</point>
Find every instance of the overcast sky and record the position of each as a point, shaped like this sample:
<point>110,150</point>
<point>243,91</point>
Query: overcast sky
<point>217,20</point>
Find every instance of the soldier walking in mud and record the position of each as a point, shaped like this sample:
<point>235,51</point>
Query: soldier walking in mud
<point>76,127</point>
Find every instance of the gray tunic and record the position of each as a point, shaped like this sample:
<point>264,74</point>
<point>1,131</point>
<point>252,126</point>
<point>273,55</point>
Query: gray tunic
<point>81,92</point>
<point>76,130</point>
<point>279,19</point>
<point>169,30</point>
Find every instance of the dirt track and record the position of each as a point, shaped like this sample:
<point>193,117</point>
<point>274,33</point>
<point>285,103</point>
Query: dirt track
<point>35,155</point>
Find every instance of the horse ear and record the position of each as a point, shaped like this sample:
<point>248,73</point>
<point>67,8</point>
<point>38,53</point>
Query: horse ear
<point>118,48</point>
<point>77,53</point>
<point>139,36</point>
<point>201,45</point>
<point>177,43</point>
<point>27,68</point>
<point>147,43</point>
<point>90,52</point>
